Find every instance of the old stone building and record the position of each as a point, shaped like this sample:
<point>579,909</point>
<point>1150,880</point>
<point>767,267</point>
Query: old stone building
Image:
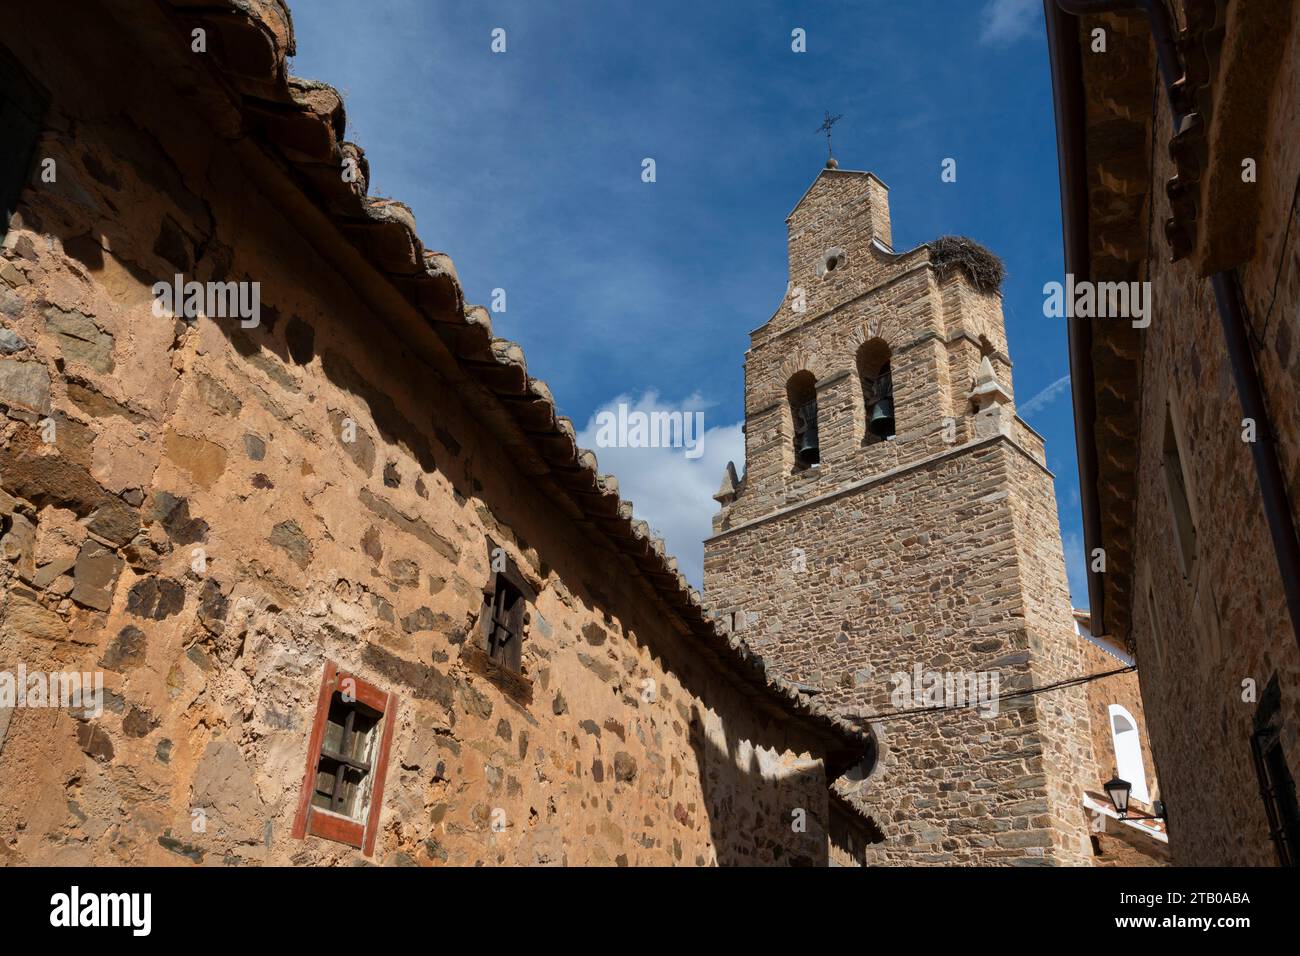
<point>1179,135</point>
<point>353,590</point>
<point>1123,749</point>
<point>896,520</point>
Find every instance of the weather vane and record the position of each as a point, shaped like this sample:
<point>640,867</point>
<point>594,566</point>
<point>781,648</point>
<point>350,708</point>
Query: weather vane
<point>827,123</point>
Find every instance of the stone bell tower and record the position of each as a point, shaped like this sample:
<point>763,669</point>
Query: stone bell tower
<point>894,542</point>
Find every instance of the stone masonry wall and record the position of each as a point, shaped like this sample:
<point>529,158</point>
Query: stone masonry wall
<point>1055,656</point>
<point>199,530</point>
<point>1119,844</point>
<point>916,568</point>
<point>1122,689</point>
<point>936,326</point>
<point>1199,638</point>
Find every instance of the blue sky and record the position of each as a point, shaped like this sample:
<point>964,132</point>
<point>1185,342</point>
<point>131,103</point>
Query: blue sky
<point>525,167</point>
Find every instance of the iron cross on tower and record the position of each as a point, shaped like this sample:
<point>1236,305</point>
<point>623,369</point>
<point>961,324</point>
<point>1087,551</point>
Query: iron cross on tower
<point>827,123</point>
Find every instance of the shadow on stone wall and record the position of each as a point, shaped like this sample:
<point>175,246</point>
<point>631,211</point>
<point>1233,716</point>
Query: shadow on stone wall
<point>752,820</point>
<point>750,814</point>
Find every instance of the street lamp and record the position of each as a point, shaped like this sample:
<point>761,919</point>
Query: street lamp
<point>1118,790</point>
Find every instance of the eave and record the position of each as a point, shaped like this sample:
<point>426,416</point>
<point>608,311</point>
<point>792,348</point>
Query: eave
<point>291,132</point>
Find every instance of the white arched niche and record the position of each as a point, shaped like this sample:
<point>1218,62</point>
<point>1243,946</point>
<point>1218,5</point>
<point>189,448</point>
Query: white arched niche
<point>1128,751</point>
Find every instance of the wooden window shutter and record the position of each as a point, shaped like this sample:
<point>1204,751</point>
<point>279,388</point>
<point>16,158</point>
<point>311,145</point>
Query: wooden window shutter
<point>337,749</point>
<point>505,605</point>
<point>515,649</point>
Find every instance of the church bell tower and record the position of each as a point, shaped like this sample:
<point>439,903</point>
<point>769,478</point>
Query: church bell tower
<point>893,544</point>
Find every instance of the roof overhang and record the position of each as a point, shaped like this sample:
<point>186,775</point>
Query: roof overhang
<point>1104,215</point>
<point>291,131</point>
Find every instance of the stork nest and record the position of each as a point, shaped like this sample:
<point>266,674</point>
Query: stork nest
<point>984,269</point>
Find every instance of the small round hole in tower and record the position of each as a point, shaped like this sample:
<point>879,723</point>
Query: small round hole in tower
<point>832,259</point>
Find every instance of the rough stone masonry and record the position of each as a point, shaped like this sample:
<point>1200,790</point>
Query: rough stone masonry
<point>324,526</point>
<point>935,547</point>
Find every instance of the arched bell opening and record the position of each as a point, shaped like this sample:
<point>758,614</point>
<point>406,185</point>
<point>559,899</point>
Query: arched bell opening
<point>801,391</point>
<point>877,390</point>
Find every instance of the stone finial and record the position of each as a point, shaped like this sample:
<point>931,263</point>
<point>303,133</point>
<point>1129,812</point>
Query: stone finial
<point>992,403</point>
<point>727,490</point>
<point>988,390</point>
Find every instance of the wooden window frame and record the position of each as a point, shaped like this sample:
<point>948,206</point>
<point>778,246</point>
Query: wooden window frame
<point>505,624</point>
<point>311,820</point>
<point>1276,783</point>
<point>491,615</point>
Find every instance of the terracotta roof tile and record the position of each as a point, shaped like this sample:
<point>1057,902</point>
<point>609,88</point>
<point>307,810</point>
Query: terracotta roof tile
<point>305,123</point>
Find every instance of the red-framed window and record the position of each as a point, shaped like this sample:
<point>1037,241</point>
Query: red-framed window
<point>347,760</point>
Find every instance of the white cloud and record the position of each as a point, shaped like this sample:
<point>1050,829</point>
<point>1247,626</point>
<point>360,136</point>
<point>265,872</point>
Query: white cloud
<point>1044,397</point>
<point>1006,21</point>
<point>671,492</point>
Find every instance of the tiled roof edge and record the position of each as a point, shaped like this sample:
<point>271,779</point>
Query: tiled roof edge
<point>304,121</point>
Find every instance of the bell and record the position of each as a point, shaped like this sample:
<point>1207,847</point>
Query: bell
<point>882,418</point>
<point>807,453</point>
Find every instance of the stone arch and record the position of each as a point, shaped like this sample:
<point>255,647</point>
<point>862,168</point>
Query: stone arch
<point>888,328</point>
<point>876,337</point>
<point>800,360</point>
<point>796,361</point>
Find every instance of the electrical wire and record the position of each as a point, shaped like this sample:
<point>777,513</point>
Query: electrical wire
<point>1032,691</point>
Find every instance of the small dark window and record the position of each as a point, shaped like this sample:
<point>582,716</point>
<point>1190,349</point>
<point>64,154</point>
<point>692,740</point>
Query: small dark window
<point>22,104</point>
<point>1276,785</point>
<point>346,757</point>
<point>505,626</point>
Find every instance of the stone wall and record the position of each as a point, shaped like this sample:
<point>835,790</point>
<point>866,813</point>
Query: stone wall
<point>1055,655</point>
<point>936,326</point>
<point>1119,846</point>
<point>919,568</point>
<point>1124,690</point>
<point>1271,278</point>
<point>1210,633</point>
<point>1116,843</point>
<point>207,513</point>
<point>1199,637</point>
